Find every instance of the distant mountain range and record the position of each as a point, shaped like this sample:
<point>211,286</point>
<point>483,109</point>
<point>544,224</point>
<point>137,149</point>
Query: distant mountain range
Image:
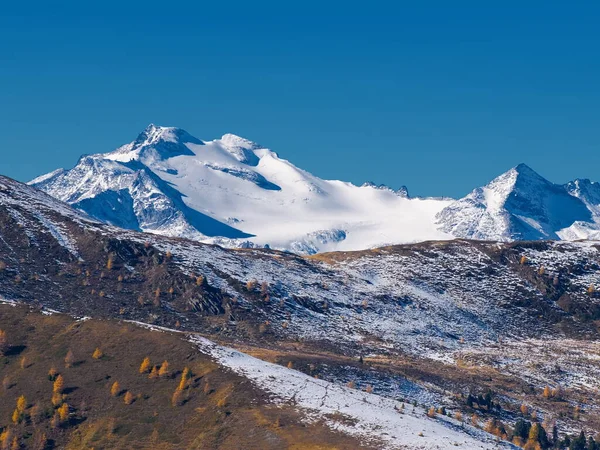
<point>236,193</point>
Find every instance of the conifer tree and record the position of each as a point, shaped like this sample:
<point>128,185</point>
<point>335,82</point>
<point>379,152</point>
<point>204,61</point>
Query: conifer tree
<point>21,404</point>
<point>59,385</point>
<point>183,382</point>
<point>97,353</point>
<point>153,373</point>
<point>57,399</point>
<point>177,397</point>
<point>145,366</point>
<point>63,412</point>
<point>115,389</point>
<point>6,438</point>
<point>128,398</point>
<point>164,369</point>
<point>3,342</point>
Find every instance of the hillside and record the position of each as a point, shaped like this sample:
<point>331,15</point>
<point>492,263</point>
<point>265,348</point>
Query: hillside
<point>433,323</point>
<point>218,409</point>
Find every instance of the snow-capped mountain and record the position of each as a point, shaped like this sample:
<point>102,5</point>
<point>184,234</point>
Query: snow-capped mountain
<point>522,205</point>
<point>237,193</point>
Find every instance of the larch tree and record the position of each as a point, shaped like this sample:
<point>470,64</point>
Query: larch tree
<point>59,385</point>
<point>547,392</point>
<point>164,369</point>
<point>57,399</point>
<point>177,397</point>
<point>16,416</point>
<point>145,366</point>
<point>184,379</point>
<point>128,398</point>
<point>3,342</point>
<point>6,438</point>
<point>63,412</point>
<point>153,373</point>
<point>97,353</point>
<point>115,389</point>
<point>21,404</point>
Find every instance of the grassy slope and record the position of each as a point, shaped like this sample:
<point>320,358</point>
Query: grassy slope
<point>222,409</point>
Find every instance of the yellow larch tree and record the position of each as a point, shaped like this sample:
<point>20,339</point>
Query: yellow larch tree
<point>59,385</point>
<point>184,379</point>
<point>3,342</point>
<point>164,369</point>
<point>153,373</point>
<point>115,389</point>
<point>145,366</point>
<point>128,398</point>
<point>63,412</point>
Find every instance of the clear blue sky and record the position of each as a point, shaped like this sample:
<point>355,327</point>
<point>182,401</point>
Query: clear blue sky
<point>440,96</point>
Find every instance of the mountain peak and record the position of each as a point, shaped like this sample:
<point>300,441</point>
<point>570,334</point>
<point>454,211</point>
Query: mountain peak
<point>234,140</point>
<point>519,204</point>
<point>153,134</point>
<point>524,170</point>
<point>156,143</point>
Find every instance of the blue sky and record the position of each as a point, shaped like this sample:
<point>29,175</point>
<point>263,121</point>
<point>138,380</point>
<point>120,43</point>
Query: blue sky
<point>439,96</point>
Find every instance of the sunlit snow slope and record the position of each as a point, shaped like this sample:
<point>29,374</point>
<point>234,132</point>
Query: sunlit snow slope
<point>236,193</point>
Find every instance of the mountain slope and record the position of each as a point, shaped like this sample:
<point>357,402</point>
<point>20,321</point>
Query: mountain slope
<point>517,205</point>
<point>238,193</point>
<point>220,409</point>
<point>428,323</point>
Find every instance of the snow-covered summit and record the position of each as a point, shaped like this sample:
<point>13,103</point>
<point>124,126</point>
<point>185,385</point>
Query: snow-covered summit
<point>520,204</point>
<point>235,192</point>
